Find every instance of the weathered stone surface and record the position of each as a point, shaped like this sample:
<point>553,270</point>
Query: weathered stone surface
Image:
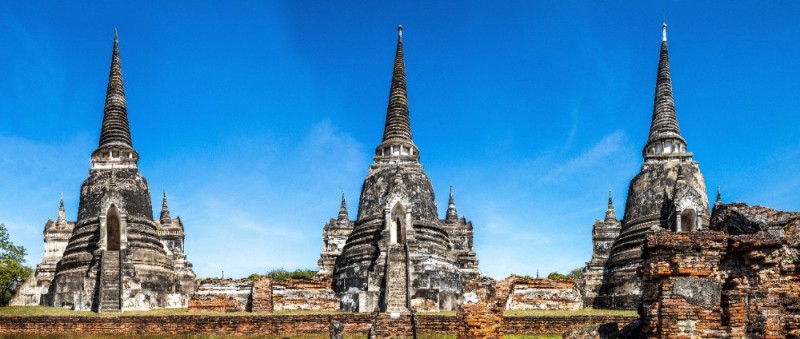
<point>399,253</point>
<point>669,193</point>
<point>261,299</point>
<point>738,218</point>
<point>697,291</point>
<point>603,235</point>
<point>56,236</point>
<point>303,294</point>
<point>481,314</point>
<point>718,285</point>
<point>118,257</point>
<point>223,295</point>
<point>264,295</point>
<point>334,236</point>
<point>543,294</point>
<point>336,330</point>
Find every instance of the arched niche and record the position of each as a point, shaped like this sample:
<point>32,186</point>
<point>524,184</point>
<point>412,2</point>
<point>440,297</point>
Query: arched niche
<point>688,220</point>
<point>397,228</point>
<point>113,231</point>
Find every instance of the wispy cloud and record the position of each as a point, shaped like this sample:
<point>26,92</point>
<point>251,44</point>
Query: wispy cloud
<point>273,214</point>
<point>527,214</point>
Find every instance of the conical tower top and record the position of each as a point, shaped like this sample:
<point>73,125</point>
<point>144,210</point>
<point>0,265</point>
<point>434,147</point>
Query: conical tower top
<point>62,214</point>
<point>165,218</point>
<point>397,142</point>
<point>719,197</point>
<point>665,136</point>
<point>611,215</point>
<point>452,213</point>
<point>343,215</point>
<point>115,136</point>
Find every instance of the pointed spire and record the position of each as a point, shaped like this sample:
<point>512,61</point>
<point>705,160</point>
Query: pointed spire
<point>665,135</point>
<point>165,218</point>
<point>115,129</point>
<point>452,214</point>
<point>611,215</point>
<point>62,214</point>
<point>719,197</point>
<point>343,215</point>
<point>397,130</point>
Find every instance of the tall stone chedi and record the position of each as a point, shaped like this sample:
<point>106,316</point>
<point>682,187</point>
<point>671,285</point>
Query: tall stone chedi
<point>119,257</point>
<point>669,193</point>
<point>400,254</point>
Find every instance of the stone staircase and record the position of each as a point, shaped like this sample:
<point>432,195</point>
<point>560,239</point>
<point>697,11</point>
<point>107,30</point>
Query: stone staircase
<point>110,283</point>
<point>396,279</point>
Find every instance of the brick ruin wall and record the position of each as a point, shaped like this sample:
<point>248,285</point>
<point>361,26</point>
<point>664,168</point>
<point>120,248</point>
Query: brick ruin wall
<point>289,325</point>
<point>485,300</point>
<point>304,294</point>
<point>221,295</point>
<point>739,279</point>
<point>261,297</point>
<point>544,294</point>
<point>264,295</point>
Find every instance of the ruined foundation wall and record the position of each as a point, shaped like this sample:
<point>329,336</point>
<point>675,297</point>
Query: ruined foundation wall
<point>715,284</point>
<point>544,294</point>
<point>287,325</point>
<point>264,295</point>
<point>304,294</point>
<point>222,295</point>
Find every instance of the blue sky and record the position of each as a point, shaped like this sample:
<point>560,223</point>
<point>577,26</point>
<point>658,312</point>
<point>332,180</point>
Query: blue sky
<point>254,116</point>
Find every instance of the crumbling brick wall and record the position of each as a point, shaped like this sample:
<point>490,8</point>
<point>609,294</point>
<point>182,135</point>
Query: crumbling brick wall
<point>222,295</point>
<point>304,294</point>
<point>261,300</point>
<point>288,325</point>
<point>481,314</point>
<point>544,294</point>
<point>264,295</point>
<point>739,279</point>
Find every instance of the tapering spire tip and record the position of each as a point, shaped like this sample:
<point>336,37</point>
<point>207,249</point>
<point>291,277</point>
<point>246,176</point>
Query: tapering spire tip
<point>664,31</point>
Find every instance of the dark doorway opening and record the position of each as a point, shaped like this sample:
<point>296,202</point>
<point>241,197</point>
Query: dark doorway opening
<point>113,236</point>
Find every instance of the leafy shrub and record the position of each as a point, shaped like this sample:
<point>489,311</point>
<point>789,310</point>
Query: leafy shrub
<point>282,274</point>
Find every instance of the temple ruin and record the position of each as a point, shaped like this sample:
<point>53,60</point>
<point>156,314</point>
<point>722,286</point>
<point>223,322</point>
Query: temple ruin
<point>117,256</point>
<point>668,193</point>
<point>399,254</point>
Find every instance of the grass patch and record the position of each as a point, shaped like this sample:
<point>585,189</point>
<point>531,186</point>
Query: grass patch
<point>564,313</point>
<point>207,336</point>
<point>56,311</point>
<point>39,310</point>
<point>305,336</point>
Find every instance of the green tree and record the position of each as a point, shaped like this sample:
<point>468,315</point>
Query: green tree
<point>556,276</point>
<point>12,270</point>
<point>575,273</point>
<point>254,277</point>
<point>280,274</point>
